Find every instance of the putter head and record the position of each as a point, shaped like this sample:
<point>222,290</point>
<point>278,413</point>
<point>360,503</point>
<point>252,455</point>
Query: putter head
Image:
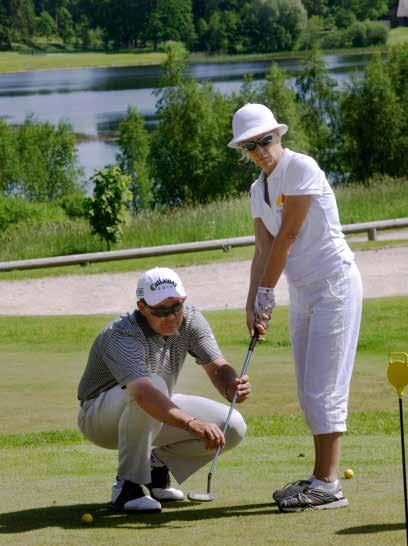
<point>201,497</point>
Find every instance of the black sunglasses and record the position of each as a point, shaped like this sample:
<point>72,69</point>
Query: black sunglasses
<point>163,312</point>
<point>264,141</point>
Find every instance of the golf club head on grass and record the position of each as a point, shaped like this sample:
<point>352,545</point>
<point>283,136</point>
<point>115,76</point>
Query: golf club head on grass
<point>201,497</point>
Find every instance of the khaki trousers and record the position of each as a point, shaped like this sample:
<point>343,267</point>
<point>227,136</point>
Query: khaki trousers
<point>114,420</point>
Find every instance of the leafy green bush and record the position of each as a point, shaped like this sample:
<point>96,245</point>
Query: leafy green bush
<point>14,210</point>
<point>359,34</point>
<point>106,210</point>
<point>74,204</point>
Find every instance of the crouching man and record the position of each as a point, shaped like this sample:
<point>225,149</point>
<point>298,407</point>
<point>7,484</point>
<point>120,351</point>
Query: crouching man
<point>128,401</point>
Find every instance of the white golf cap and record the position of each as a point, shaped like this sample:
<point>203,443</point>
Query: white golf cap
<point>158,284</point>
<point>252,120</point>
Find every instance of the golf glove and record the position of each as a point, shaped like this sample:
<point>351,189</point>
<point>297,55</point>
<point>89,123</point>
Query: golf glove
<point>264,302</point>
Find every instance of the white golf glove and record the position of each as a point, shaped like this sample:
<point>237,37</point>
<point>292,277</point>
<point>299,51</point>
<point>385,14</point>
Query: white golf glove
<point>264,303</point>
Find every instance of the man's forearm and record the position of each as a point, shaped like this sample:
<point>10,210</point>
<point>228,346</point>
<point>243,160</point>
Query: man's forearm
<point>223,378</point>
<point>160,407</point>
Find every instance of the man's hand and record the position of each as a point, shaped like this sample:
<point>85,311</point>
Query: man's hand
<point>210,433</point>
<point>243,388</point>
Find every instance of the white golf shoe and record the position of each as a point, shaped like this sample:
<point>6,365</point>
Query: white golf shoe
<point>130,497</point>
<point>160,486</point>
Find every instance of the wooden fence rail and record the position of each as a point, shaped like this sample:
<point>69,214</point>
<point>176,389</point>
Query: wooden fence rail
<point>223,244</point>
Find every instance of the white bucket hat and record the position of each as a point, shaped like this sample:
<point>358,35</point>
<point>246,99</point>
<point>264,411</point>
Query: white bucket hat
<point>158,284</point>
<point>252,120</point>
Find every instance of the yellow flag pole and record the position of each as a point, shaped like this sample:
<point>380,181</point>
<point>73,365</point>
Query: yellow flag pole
<point>397,375</point>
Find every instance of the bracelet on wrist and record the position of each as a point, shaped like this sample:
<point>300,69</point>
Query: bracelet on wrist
<point>187,425</point>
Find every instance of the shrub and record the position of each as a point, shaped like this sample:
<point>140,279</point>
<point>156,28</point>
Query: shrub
<point>106,210</point>
<point>14,210</point>
<point>74,205</point>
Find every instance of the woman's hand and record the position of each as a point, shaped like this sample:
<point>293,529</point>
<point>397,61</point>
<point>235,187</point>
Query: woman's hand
<point>255,324</point>
<point>209,433</point>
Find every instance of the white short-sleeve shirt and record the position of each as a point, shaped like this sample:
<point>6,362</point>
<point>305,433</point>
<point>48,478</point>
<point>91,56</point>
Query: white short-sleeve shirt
<point>320,248</point>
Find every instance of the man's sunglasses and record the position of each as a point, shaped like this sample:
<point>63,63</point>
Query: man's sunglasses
<point>264,141</point>
<point>164,312</point>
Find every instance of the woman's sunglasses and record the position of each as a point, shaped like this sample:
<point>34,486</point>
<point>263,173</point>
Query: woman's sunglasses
<point>264,141</point>
<point>164,312</point>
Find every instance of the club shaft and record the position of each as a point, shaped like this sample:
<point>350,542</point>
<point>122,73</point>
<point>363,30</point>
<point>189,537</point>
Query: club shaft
<point>251,347</point>
<point>404,471</point>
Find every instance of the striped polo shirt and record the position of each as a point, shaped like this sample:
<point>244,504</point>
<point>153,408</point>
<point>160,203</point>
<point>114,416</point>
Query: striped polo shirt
<point>128,349</point>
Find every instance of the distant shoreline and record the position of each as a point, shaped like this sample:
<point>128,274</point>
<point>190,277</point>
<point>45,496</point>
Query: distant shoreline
<point>26,63</point>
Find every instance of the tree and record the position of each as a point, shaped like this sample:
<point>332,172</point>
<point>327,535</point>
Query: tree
<point>282,101</point>
<point>188,147</point>
<point>9,163</point>
<point>46,25</point>
<point>170,20</point>
<point>48,161</point>
<point>22,18</point>
<point>65,25</point>
<point>316,7</point>
<point>373,125</point>
<point>106,210</point>
<point>5,42</point>
<point>318,102</point>
<point>134,145</point>
<point>273,25</point>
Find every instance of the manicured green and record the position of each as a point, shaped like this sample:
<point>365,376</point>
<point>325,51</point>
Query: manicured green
<point>46,359</point>
<point>50,475</point>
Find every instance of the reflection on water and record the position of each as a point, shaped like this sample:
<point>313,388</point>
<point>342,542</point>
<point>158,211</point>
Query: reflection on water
<point>94,100</point>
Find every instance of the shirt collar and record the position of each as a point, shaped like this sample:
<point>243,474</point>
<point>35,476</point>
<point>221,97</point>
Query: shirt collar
<point>281,163</point>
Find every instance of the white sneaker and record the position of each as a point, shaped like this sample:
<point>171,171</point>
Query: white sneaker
<point>130,497</point>
<point>160,486</point>
<point>167,494</point>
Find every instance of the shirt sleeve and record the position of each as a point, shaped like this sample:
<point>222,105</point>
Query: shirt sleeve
<point>303,177</point>
<point>202,344</point>
<point>125,357</point>
<point>255,203</point>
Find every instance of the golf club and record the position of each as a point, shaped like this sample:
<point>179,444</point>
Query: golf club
<point>207,497</point>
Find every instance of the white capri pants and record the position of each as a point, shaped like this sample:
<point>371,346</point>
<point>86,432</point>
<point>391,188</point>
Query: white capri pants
<point>114,420</point>
<point>324,322</point>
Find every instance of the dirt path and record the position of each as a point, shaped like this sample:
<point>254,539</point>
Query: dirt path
<point>213,286</point>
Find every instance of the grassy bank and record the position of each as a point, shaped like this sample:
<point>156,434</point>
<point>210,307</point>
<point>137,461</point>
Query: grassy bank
<point>51,475</point>
<point>54,236</point>
<point>13,61</point>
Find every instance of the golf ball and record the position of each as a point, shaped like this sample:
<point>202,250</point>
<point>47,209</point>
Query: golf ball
<point>348,474</point>
<point>87,518</point>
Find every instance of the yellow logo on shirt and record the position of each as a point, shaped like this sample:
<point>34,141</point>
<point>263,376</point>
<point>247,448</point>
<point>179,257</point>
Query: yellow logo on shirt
<point>280,200</point>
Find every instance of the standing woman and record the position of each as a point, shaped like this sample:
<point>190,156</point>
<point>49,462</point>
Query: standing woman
<point>297,230</point>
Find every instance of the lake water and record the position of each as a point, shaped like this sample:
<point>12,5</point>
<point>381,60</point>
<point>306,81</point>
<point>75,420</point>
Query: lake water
<point>94,100</point>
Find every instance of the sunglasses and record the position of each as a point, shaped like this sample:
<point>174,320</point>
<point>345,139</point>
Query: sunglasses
<point>164,312</point>
<point>264,141</point>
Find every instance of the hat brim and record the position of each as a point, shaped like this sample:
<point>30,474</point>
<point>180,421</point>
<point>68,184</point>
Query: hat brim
<point>156,298</point>
<point>255,131</point>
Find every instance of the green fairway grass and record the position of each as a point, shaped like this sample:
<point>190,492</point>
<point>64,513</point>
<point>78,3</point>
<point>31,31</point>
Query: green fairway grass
<point>50,475</point>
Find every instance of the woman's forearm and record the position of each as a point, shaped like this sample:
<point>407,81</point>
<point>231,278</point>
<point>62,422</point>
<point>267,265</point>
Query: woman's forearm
<point>275,264</point>
<point>257,270</point>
